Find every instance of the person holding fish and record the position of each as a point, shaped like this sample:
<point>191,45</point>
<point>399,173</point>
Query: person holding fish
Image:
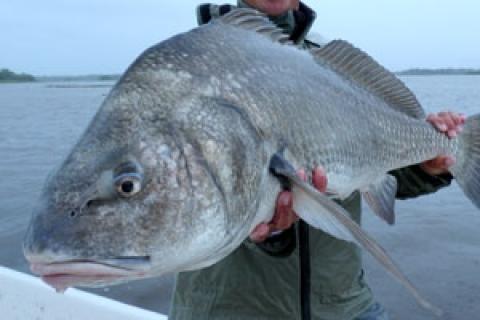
<point>288,270</point>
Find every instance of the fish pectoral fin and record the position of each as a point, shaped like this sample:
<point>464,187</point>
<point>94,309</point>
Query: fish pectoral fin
<point>316,208</point>
<point>323,213</point>
<point>380,196</point>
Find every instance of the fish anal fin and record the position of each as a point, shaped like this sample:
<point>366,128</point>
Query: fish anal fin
<point>380,196</point>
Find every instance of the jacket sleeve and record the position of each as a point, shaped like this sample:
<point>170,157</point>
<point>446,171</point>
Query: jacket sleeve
<point>413,182</point>
<point>279,245</point>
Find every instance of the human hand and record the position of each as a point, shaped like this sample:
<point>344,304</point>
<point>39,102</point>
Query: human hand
<point>451,124</point>
<point>284,215</point>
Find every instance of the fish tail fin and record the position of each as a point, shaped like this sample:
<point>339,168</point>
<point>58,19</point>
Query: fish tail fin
<point>467,168</point>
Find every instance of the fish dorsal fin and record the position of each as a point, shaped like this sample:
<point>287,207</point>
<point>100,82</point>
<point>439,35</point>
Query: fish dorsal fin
<point>251,19</point>
<point>356,65</point>
<point>342,57</point>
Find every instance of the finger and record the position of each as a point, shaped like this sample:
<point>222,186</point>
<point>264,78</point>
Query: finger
<point>448,162</point>
<point>448,122</point>
<point>319,179</point>
<point>302,174</point>
<point>284,204</point>
<point>283,220</point>
<point>284,215</point>
<point>452,133</point>
<point>442,114</point>
<point>447,119</point>
<point>260,233</point>
<point>457,118</point>
<point>453,121</point>
<point>437,123</point>
<point>287,223</point>
<point>438,165</point>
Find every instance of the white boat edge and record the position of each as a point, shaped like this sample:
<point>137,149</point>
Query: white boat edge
<point>23,297</point>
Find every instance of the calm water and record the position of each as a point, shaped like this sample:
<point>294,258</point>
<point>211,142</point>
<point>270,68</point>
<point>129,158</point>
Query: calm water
<point>40,123</point>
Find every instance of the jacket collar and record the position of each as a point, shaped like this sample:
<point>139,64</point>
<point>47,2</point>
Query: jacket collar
<point>297,23</point>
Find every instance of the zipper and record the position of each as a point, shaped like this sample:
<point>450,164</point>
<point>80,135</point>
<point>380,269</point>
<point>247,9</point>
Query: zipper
<point>304,256</point>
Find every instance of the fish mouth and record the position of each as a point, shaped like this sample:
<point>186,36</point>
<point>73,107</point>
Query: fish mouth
<point>91,273</point>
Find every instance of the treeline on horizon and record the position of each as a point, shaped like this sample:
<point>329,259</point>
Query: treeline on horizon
<point>7,75</point>
<point>89,77</point>
<point>445,71</point>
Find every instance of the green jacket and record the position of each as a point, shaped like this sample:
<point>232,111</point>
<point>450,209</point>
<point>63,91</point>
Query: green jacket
<point>303,273</point>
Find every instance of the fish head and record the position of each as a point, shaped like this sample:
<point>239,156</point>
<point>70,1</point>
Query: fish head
<point>166,178</point>
<point>129,202</point>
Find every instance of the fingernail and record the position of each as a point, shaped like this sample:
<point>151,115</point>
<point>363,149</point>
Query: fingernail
<point>442,127</point>
<point>452,133</point>
<point>319,170</point>
<point>302,174</point>
<point>449,161</point>
<point>285,200</point>
<point>262,230</point>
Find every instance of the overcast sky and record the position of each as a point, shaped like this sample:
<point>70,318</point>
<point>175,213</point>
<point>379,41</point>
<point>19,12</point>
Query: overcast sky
<point>55,37</point>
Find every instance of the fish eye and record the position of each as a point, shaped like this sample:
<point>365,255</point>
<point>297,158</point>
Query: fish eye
<point>128,185</point>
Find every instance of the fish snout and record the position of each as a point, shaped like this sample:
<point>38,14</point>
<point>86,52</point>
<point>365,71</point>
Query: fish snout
<point>45,238</point>
<point>33,245</point>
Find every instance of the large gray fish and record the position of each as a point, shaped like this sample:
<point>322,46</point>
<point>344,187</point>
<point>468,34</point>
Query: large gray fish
<point>175,170</point>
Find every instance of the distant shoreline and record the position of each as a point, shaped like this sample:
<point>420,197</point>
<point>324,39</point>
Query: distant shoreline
<point>439,72</point>
<point>91,77</point>
<point>408,72</point>
<point>8,76</point>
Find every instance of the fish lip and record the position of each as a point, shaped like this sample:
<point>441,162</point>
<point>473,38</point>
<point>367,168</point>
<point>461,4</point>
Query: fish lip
<point>129,263</point>
<point>62,281</point>
<point>63,274</point>
<point>118,266</point>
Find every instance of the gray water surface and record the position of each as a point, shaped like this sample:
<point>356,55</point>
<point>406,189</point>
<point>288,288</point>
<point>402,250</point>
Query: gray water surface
<point>436,239</point>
